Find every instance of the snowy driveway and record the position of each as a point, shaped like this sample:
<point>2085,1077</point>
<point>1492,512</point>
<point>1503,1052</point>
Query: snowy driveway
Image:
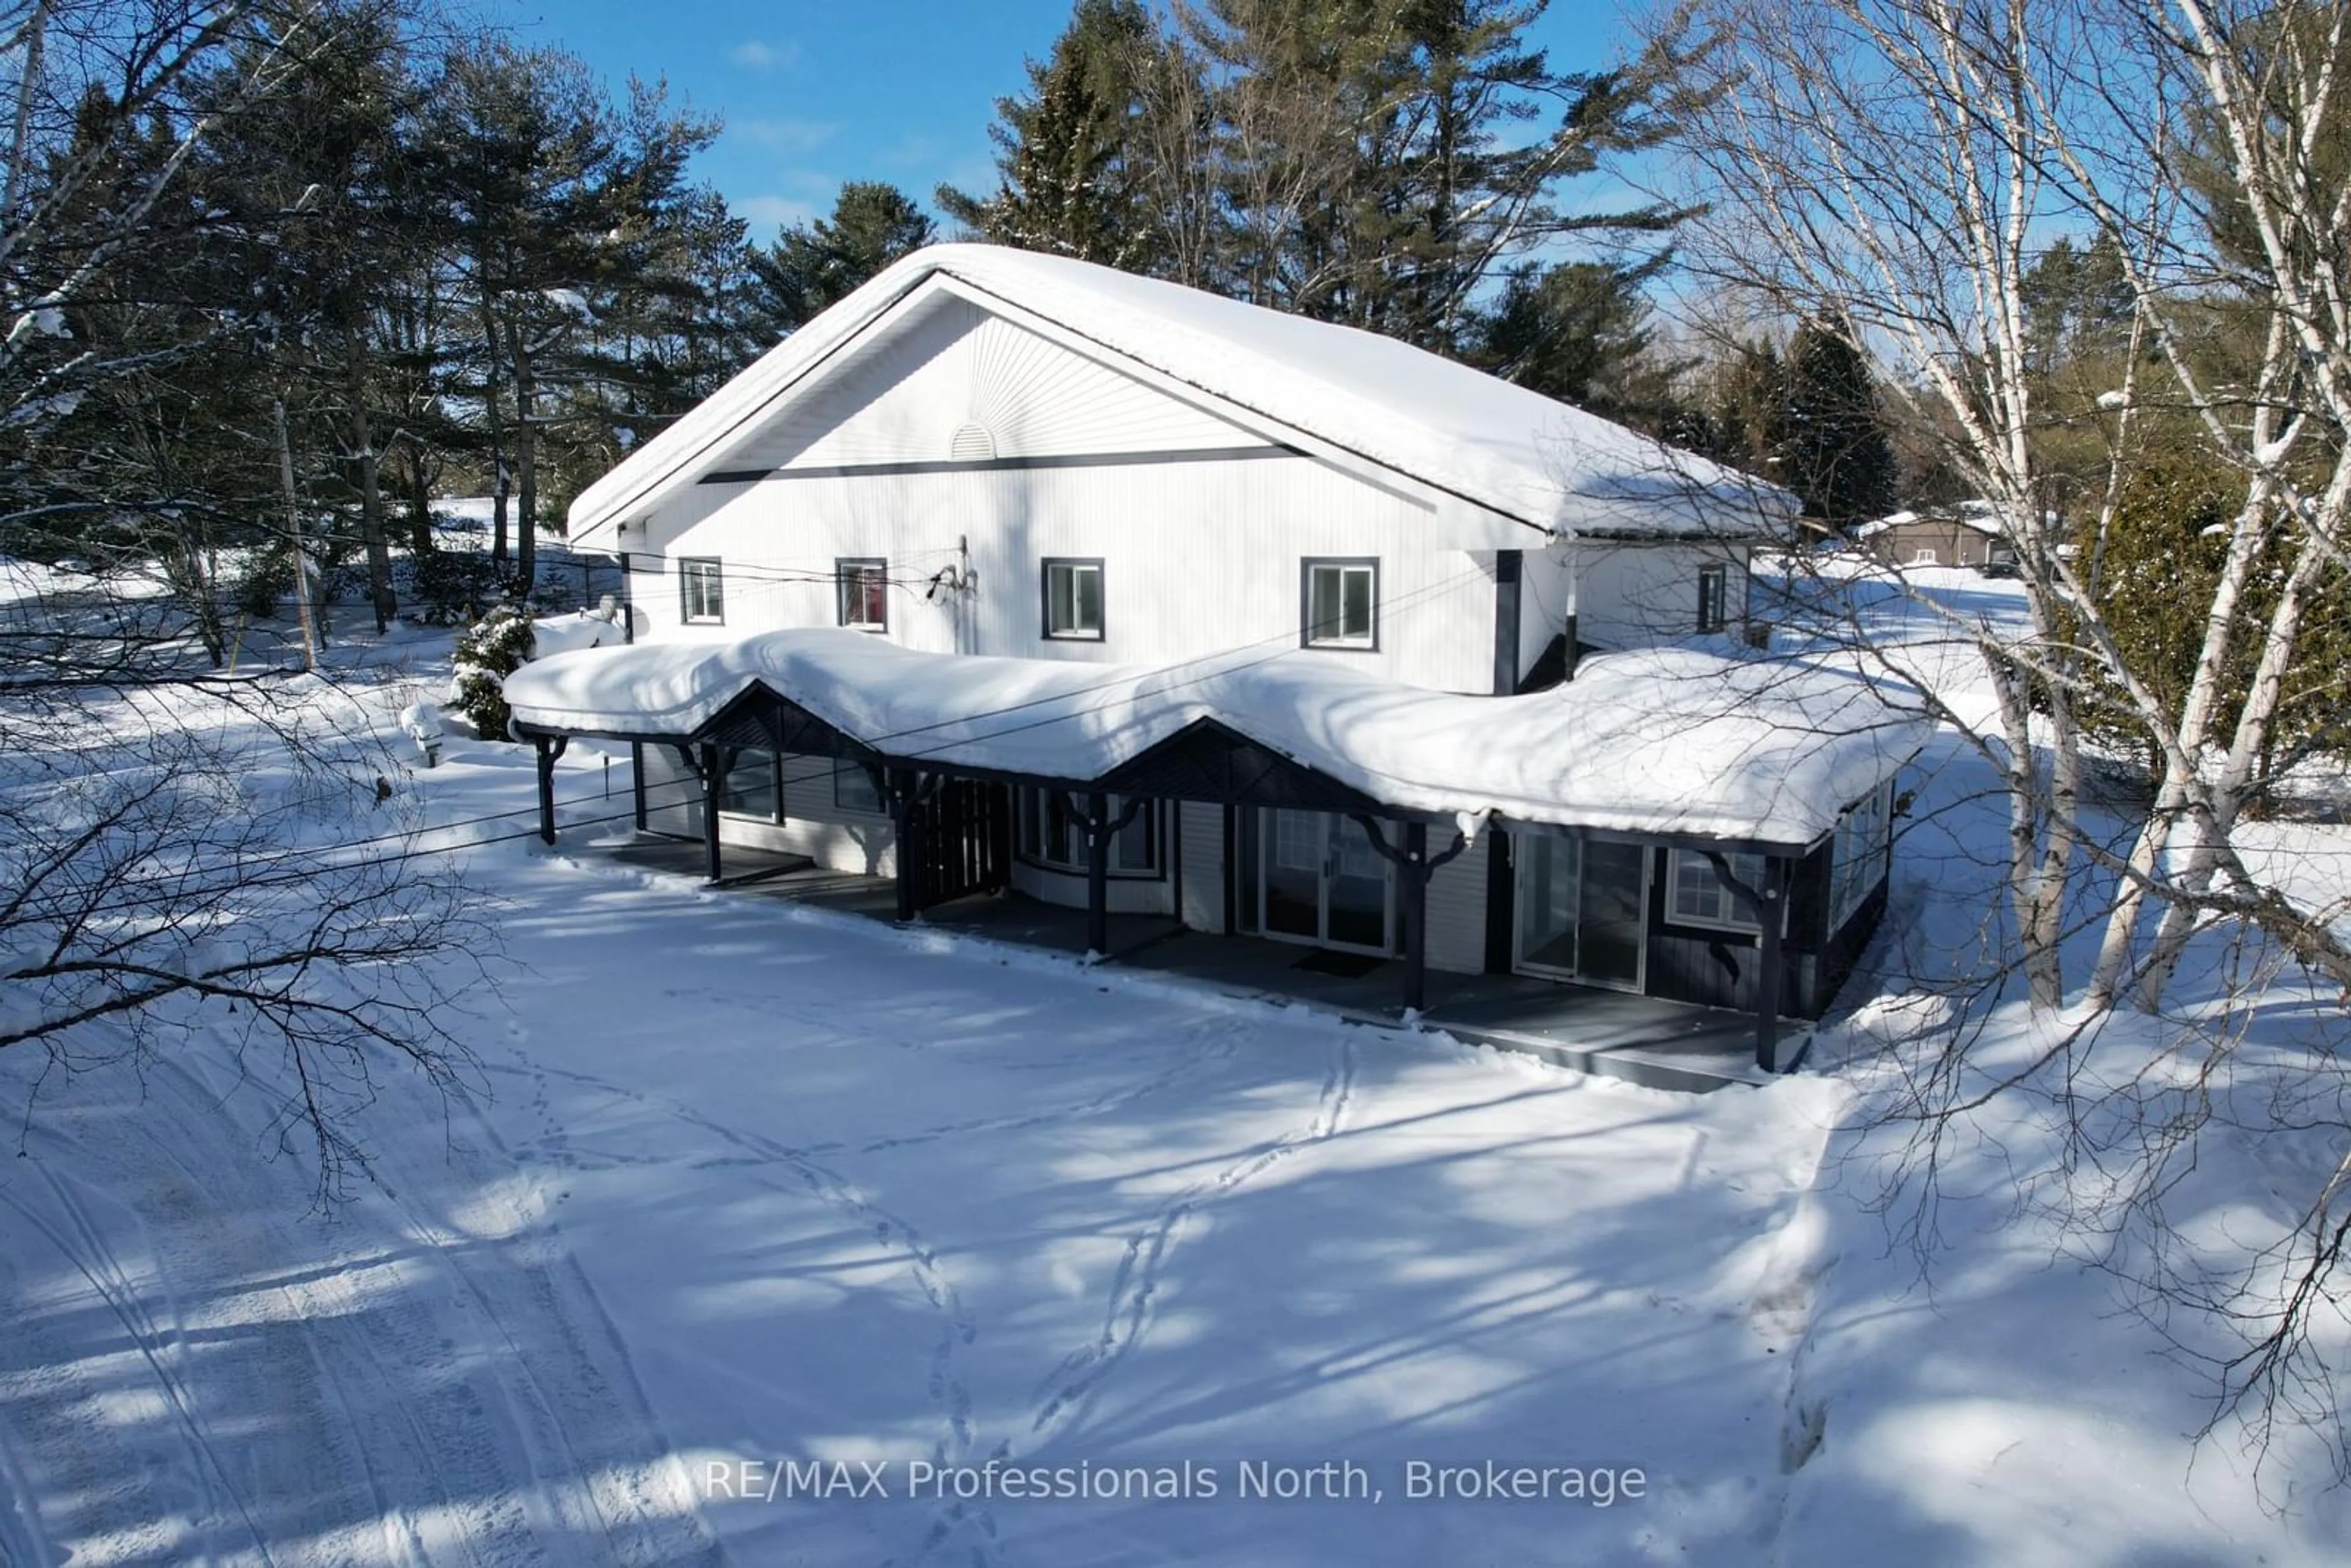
<point>752,1187</point>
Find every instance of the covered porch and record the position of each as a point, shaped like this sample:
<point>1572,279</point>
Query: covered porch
<point>1643,1039</point>
<point>1735,767</point>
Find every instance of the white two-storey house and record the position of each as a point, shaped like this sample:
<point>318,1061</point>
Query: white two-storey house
<point>1011,573</point>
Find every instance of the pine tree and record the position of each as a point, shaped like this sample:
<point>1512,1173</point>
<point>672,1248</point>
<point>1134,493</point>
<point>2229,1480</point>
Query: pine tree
<point>1583,332</point>
<point>1834,449</point>
<point>814,265</point>
<point>1068,180</point>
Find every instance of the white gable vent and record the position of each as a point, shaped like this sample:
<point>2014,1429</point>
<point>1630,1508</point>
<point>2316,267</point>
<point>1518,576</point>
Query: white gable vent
<point>972,444</point>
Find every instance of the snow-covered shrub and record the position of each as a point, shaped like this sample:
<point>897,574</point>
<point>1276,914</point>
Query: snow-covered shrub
<point>487,652</point>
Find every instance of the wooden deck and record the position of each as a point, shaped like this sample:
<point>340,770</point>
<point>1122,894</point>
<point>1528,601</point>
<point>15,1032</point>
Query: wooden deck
<point>1643,1039</point>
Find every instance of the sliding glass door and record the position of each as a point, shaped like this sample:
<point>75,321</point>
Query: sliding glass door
<point>1583,910</point>
<point>1323,883</point>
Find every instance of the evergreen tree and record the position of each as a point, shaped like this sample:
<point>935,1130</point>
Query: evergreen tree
<point>814,265</point>
<point>1583,332</point>
<point>1834,449</point>
<point>1070,178</point>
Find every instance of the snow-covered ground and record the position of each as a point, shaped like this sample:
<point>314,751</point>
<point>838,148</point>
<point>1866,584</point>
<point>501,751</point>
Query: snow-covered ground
<point>739,1186</point>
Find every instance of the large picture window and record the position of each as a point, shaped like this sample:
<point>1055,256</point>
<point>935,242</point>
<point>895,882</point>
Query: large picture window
<point>864,586</point>
<point>1052,834</point>
<point>701,590</point>
<point>1698,897</point>
<point>750,783</point>
<point>1073,598</point>
<point>1341,607</point>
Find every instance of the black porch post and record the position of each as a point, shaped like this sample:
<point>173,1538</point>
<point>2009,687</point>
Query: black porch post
<point>637,780</point>
<point>1231,861</point>
<point>549,750</point>
<point>901,824</point>
<point>1771,906</point>
<point>710,811</point>
<point>1098,873</point>
<point>1415,915</point>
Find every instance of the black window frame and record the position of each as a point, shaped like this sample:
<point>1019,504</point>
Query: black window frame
<point>841,568</point>
<point>1307,567</point>
<point>842,768</point>
<point>1028,831</point>
<point>1720,575</point>
<point>687,566</point>
<point>726,767</point>
<point>1045,598</point>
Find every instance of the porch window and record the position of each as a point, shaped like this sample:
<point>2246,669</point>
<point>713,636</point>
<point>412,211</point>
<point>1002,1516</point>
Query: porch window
<point>864,584</point>
<point>701,590</point>
<point>750,783</point>
<point>1052,834</point>
<point>853,790</point>
<point>1858,854</point>
<point>1341,603</point>
<point>1710,586</point>
<point>1073,598</point>
<point>1699,897</point>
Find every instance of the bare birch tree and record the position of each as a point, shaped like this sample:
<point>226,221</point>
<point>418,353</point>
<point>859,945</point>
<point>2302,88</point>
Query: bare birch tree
<point>1897,168</point>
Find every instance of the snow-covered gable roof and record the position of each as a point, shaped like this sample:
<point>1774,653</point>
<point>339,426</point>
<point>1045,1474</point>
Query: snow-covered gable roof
<point>1531,459</point>
<point>1663,742</point>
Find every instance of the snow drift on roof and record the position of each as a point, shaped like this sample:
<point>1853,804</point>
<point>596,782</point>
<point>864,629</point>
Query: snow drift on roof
<point>1670,741</point>
<point>1544,462</point>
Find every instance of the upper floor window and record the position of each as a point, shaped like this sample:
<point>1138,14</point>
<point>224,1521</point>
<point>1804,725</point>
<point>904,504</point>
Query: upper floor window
<point>1341,603</point>
<point>1073,598</point>
<point>701,595</point>
<point>1712,613</point>
<point>864,586</point>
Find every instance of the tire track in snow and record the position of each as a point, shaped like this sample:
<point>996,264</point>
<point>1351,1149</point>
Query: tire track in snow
<point>1134,1286</point>
<point>611,1503</point>
<point>944,1380</point>
<point>90,1256</point>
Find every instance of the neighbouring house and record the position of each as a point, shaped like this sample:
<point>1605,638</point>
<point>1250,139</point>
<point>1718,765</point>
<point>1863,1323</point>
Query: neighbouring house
<point>1970,533</point>
<point>1011,573</point>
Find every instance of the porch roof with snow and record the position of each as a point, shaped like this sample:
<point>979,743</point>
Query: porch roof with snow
<point>1669,743</point>
<point>1347,396</point>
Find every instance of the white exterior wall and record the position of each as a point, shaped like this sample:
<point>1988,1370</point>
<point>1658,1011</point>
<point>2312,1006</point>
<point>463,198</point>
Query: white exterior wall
<point>834,837</point>
<point>1198,557</point>
<point>1630,595</point>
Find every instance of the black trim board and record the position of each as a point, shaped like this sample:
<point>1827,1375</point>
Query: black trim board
<point>1004,464</point>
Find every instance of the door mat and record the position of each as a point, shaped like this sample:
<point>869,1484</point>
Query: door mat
<point>1345,966</point>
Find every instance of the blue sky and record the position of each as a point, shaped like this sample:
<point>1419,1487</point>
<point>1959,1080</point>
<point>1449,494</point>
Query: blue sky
<point>902,90</point>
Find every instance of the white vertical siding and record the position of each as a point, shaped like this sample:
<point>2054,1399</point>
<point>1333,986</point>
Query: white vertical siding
<point>1201,829</point>
<point>1198,558</point>
<point>951,367</point>
<point>1634,595</point>
<point>1457,913</point>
